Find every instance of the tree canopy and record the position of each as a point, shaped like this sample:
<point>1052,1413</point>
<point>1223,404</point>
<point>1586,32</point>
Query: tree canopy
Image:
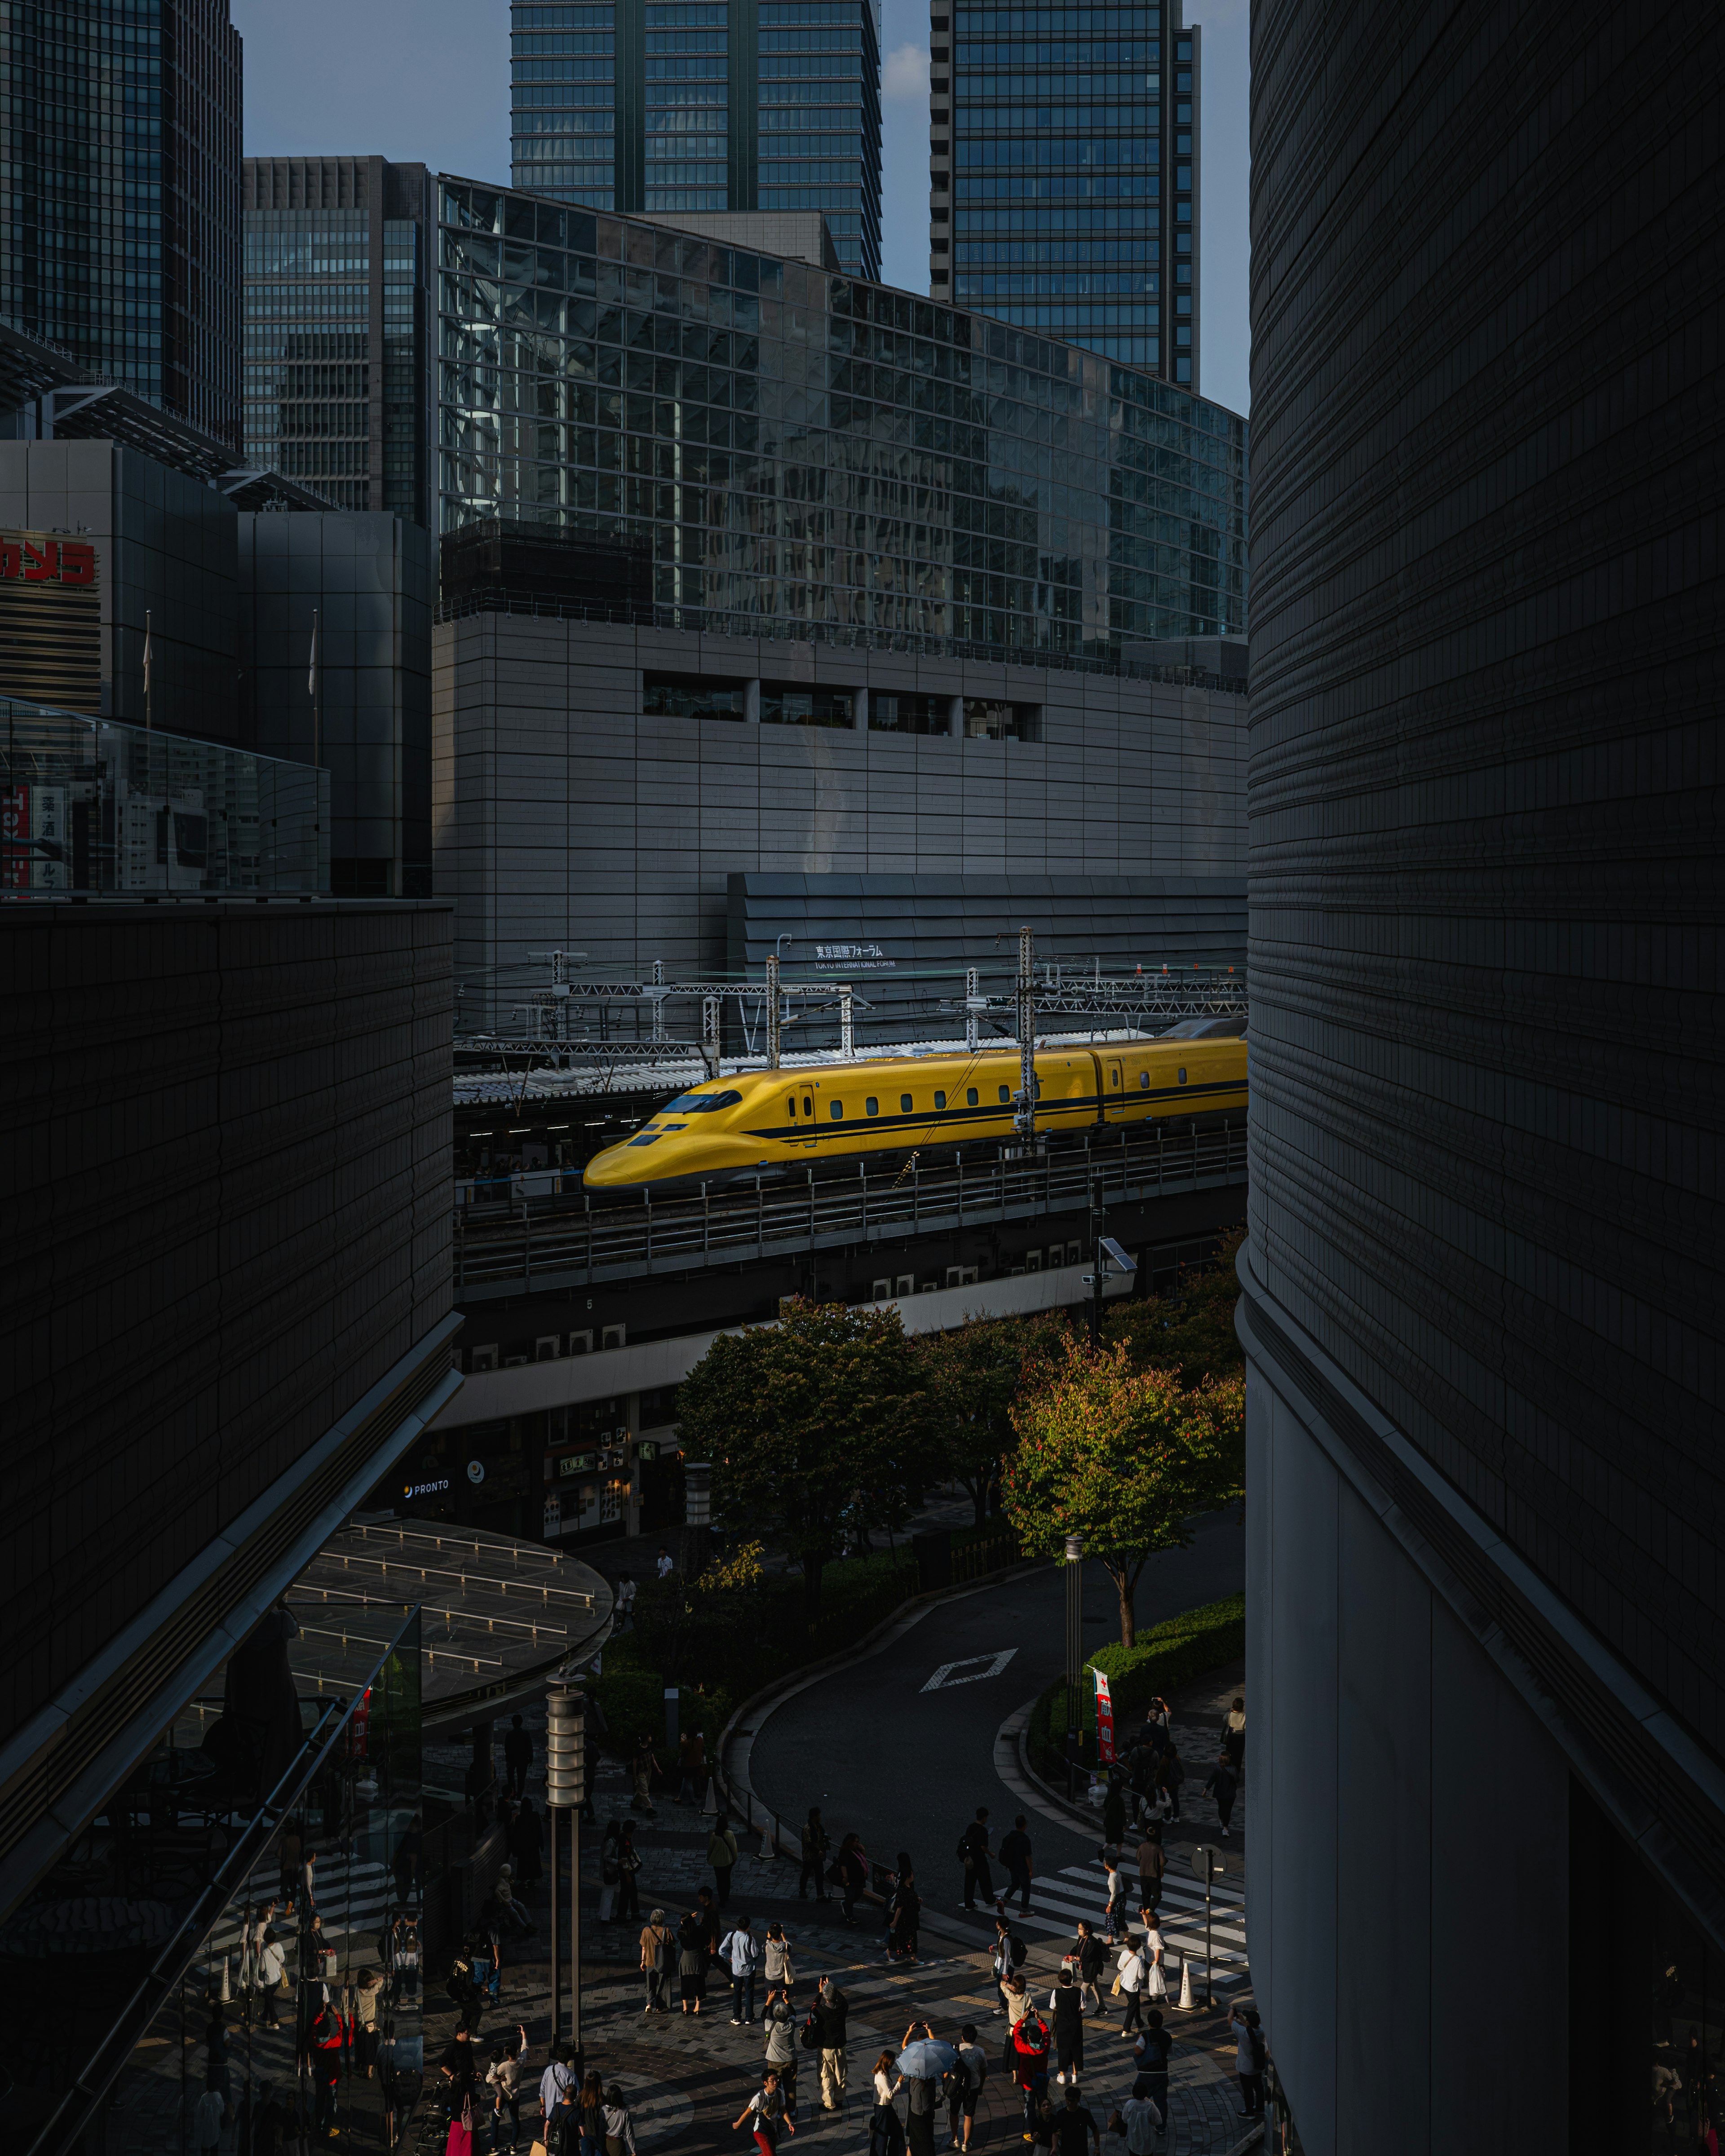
<point>1124,1456</point>
<point>1190,1332</point>
<point>971,1379</point>
<point>807,1422</point>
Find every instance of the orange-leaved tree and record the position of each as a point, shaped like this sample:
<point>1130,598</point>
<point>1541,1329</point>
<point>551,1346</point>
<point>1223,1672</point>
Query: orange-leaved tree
<point>1125,1457</point>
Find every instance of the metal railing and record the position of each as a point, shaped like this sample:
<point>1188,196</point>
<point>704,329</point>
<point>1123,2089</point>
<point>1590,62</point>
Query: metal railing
<point>560,1246</point>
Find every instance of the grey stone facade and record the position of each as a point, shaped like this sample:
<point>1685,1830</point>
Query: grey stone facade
<point>1483,1282</point>
<point>564,817</point>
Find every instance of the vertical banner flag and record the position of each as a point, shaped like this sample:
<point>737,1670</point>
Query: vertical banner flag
<point>1105,1720</point>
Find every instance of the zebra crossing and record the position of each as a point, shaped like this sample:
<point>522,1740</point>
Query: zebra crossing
<point>353,1895</point>
<point>1059,1899</point>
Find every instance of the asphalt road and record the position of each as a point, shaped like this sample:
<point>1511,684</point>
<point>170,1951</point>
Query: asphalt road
<point>905,1767</point>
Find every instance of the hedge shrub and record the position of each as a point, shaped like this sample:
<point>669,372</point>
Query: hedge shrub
<point>1173,1653</point>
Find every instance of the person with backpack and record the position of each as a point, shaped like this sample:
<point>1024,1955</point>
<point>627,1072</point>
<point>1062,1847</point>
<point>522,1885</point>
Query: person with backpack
<point>659,1957</point>
<point>973,1853</point>
<point>1065,2017</point>
<point>1015,1855</point>
<point>556,2089</point>
<point>766,2109</point>
<point>1029,2054</point>
<point>1090,1956</point>
<point>741,1952</point>
<point>816,1843</point>
<point>967,2078</point>
<point>829,2016</point>
<point>1251,2057</point>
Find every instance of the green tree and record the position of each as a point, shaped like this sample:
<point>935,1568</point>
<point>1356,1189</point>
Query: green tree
<point>1123,1457</point>
<point>1190,1332</point>
<point>806,1422</point>
<point>971,1379</point>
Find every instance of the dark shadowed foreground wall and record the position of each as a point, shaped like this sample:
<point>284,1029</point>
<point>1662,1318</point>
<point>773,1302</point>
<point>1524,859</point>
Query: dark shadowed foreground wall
<point>225,1288</point>
<point>1483,1284</point>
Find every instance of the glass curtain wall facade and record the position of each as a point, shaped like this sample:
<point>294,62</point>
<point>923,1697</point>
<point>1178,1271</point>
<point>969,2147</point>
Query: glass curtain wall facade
<point>120,198</point>
<point>337,315</point>
<point>800,447</point>
<point>703,105</point>
<point>1063,167</point>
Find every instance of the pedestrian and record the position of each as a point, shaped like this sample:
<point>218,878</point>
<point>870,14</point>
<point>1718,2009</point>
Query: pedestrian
<point>886,2087</point>
<point>1072,2123</point>
<point>1029,2048</point>
<point>209,2115</point>
<point>815,1846</point>
<point>619,2127</point>
<point>1114,1887</point>
<point>1000,1962</point>
<point>973,1856</point>
<point>1249,2059</point>
<point>590,2116</point>
<point>1154,1954</point>
<point>1065,2021</point>
<point>1091,1957</point>
<point>557,2086</point>
<point>1015,1999</point>
<point>642,1766</point>
<point>1130,1963</point>
<point>462,1986</point>
<point>971,2072</point>
<point>741,1952</point>
<point>1141,2118</point>
<point>517,1755</point>
<point>1222,1786</point>
<point>625,1601</point>
<point>691,1766</point>
<point>1015,1855</point>
<point>722,1855</point>
<point>659,1957</point>
<point>1169,1776</point>
<point>526,1844</point>
<point>691,1961</point>
<point>1114,1809</point>
<point>921,2092</point>
<point>1234,1739</point>
<point>831,2012</point>
<point>503,2077</point>
<point>779,2020</point>
<point>664,1564</point>
<point>708,1910</point>
<point>776,1959</point>
<point>629,1863</point>
<point>905,1917</point>
<point>367,2003</point>
<point>1152,2049</point>
<point>460,2065</point>
<point>1042,2135</point>
<point>765,2110</point>
<point>1152,1863</point>
<point>852,1866</point>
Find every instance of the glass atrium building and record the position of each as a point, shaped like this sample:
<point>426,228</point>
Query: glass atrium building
<point>703,105</point>
<point>1063,174</point>
<point>799,447</point>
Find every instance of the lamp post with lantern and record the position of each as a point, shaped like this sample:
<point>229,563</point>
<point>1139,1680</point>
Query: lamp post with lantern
<point>566,1791</point>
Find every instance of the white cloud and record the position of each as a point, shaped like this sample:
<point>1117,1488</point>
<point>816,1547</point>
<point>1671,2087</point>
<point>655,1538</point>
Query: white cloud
<point>905,74</point>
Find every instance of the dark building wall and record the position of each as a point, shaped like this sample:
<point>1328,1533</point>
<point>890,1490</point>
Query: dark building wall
<point>1482,1285</point>
<point>228,1164</point>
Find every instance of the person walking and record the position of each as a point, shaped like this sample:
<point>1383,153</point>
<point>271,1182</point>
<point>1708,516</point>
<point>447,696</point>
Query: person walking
<point>765,2110</point>
<point>642,1766</point>
<point>1251,2057</point>
<point>1072,2123</point>
<point>503,2077</point>
<point>517,1755</point>
<point>1222,1786</point>
<point>815,1846</point>
<point>1130,1963</point>
<point>853,1867</point>
<point>721,1855</point>
<point>1114,1915</point>
<point>967,2078</point>
<point>659,1957</point>
<point>1152,2049</point>
<point>831,2011</point>
<point>1015,1855</point>
<point>973,1856</point>
<point>779,2021</point>
<point>1234,1739</point>
<point>1065,2021</point>
<point>1169,1777</point>
<point>776,1964</point>
<point>691,1961</point>
<point>1091,1959</point>
<point>629,1864</point>
<point>739,1950</point>
<point>1152,1863</point>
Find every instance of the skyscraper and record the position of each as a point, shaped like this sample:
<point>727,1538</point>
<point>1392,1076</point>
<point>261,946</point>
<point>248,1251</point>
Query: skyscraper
<point>1063,173</point>
<point>1483,1287</point>
<point>664,105</point>
<point>338,324</point>
<point>120,199</point>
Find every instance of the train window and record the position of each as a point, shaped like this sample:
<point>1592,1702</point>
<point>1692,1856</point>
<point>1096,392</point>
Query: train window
<point>790,1105</point>
<point>971,1096</point>
<point>1006,1092</point>
<point>940,1100</point>
<point>808,1106</point>
<point>701,1104</point>
<point>904,1104</point>
<point>1183,1074</point>
<point>1143,1081</point>
<point>835,1108</point>
<point>871,1104</point>
<point>654,1140</point>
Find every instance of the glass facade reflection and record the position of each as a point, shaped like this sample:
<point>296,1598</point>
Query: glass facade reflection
<point>703,105</point>
<point>800,447</point>
<point>207,1971</point>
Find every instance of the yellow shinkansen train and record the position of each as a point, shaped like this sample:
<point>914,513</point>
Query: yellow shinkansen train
<point>770,1123</point>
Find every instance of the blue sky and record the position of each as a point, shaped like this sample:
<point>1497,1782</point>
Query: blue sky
<point>428,79</point>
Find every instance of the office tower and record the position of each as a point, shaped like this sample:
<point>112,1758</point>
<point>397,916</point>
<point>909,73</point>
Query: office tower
<point>704,105</point>
<point>338,328</point>
<point>1482,1291</point>
<point>1063,174</point>
<point>121,195</point>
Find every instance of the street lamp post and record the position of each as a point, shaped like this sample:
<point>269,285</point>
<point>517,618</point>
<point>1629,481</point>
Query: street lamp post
<point>565,1791</point>
<point>697,1515</point>
<point>1075,1648</point>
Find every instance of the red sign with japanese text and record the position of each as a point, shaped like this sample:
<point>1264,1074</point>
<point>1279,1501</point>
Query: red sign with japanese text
<point>42,561</point>
<point>1104,1720</point>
